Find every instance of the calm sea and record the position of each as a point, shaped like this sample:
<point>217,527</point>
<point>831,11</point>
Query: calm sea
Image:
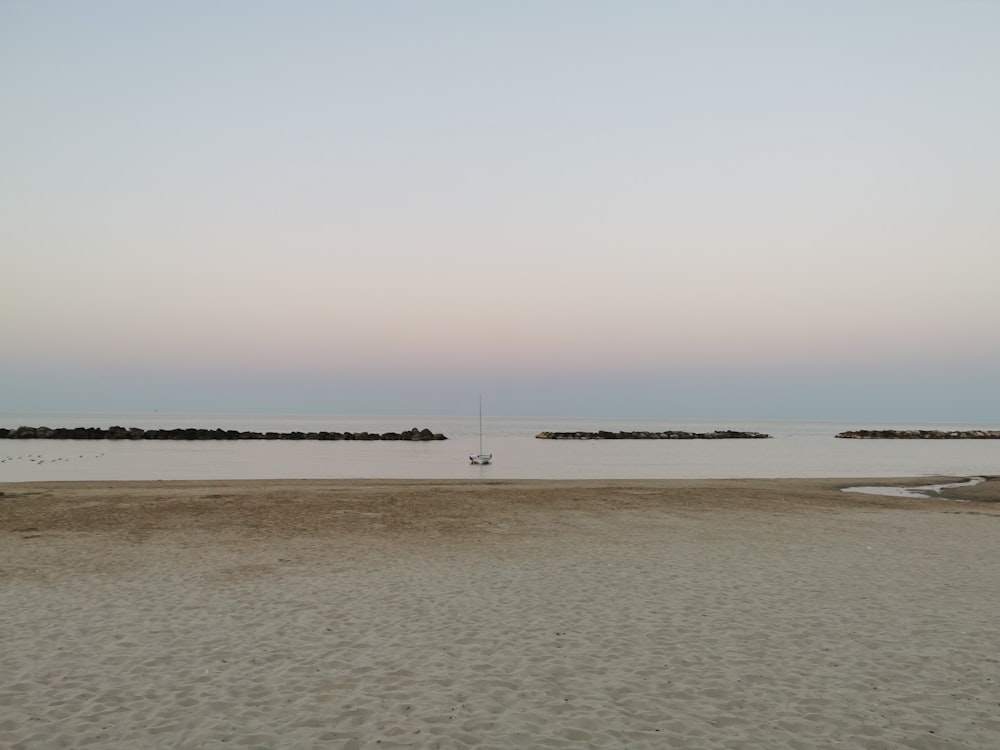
<point>797,449</point>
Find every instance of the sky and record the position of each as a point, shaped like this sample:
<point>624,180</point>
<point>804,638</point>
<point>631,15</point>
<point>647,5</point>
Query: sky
<point>747,210</point>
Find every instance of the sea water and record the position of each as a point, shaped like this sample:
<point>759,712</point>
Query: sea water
<point>796,449</point>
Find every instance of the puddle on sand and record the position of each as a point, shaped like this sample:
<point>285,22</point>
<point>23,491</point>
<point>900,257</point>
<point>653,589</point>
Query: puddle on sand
<point>926,491</point>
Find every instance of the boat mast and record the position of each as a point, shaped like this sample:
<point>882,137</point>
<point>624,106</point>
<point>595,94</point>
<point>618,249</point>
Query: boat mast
<point>480,424</point>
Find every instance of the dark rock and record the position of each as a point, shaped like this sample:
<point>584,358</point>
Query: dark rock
<point>117,432</point>
<point>921,434</point>
<point>647,435</point>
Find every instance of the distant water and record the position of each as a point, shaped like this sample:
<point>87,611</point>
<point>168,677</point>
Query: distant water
<point>797,449</point>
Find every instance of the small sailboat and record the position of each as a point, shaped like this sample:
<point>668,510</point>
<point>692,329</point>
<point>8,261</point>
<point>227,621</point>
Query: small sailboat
<point>480,458</point>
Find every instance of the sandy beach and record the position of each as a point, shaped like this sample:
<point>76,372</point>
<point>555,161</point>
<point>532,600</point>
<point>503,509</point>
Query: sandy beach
<point>510,614</point>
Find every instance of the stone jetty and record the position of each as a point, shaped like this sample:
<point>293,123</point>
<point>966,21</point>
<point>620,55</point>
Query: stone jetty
<point>921,434</point>
<point>647,435</point>
<point>135,433</point>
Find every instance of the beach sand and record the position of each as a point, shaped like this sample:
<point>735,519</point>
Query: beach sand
<point>513,614</point>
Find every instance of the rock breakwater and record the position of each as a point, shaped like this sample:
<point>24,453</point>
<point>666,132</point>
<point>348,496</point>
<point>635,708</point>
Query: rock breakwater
<point>135,433</point>
<point>649,435</point>
<point>921,434</point>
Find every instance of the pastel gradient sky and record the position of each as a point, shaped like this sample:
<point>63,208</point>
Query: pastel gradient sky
<point>784,210</point>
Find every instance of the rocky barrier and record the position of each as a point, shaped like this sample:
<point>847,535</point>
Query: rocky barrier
<point>921,434</point>
<point>645,435</point>
<point>135,433</point>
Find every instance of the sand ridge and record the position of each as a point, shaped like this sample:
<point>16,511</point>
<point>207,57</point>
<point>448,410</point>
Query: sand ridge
<point>275,507</point>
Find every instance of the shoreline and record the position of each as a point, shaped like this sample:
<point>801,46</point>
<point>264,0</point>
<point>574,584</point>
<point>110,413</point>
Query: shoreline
<point>266,507</point>
<point>987,491</point>
<point>491,614</point>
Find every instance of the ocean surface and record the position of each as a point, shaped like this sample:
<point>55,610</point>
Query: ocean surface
<point>796,449</point>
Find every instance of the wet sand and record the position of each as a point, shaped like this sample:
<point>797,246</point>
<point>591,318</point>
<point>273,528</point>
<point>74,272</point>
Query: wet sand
<point>391,613</point>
